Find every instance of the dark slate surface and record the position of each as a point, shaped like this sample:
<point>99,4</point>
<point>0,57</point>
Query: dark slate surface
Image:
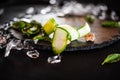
<point>75,65</point>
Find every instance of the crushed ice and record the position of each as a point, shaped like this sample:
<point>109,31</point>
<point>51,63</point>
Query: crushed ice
<point>33,54</point>
<point>54,59</point>
<point>12,44</point>
<point>75,8</point>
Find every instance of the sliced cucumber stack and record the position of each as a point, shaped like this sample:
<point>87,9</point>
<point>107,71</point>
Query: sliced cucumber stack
<point>62,35</point>
<point>59,42</point>
<point>73,33</point>
<point>85,29</point>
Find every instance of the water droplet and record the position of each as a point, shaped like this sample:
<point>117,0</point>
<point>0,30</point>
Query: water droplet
<point>33,54</point>
<point>54,59</point>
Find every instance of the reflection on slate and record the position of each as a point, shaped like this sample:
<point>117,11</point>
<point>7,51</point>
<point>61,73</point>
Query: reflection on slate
<point>81,65</point>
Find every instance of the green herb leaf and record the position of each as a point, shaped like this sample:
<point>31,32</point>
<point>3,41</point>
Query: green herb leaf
<point>90,18</point>
<point>112,58</point>
<point>111,24</point>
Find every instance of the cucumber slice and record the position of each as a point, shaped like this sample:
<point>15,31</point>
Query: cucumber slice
<point>50,26</point>
<point>85,29</point>
<point>73,33</point>
<point>59,42</point>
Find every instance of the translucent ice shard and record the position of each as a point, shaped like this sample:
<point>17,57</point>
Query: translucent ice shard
<point>54,59</point>
<point>33,54</point>
<point>12,44</point>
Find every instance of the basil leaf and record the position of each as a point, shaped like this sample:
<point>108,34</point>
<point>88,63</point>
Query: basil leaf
<point>112,58</point>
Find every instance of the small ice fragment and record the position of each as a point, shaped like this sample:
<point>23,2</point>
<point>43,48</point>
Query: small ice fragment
<point>114,15</point>
<point>74,8</point>
<point>103,16</point>
<point>15,19</point>
<point>33,54</point>
<point>52,1</point>
<point>30,10</point>
<point>19,45</point>
<point>54,59</point>
<point>45,10</point>
<point>103,7</point>
<point>10,45</point>
<point>1,32</point>
<point>36,41</point>
<point>26,20</point>
<point>6,26</point>
<point>16,34</point>
<point>60,14</point>
<point>28,16</point>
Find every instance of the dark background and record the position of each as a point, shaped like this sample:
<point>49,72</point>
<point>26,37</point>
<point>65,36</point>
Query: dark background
<point>76,65</point>
<point>113,3</point>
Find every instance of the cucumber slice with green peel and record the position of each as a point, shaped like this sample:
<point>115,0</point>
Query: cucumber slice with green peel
<point>84,30</point>
<point>59,42</point>
<point>73,33</point>
<point>50,26</point>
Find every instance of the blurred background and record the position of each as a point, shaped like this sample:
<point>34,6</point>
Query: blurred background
<point>112,4</point>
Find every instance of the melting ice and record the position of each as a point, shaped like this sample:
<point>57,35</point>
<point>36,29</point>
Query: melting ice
<point>54,59</point>
<point>13,43</point>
